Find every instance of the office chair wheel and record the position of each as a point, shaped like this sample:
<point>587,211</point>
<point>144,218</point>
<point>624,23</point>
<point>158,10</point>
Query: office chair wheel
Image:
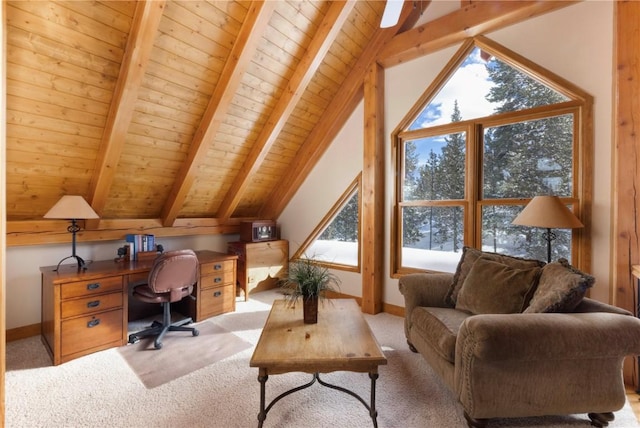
<point>157,345</point>
<point>195,332</point>
<point>133,338</point>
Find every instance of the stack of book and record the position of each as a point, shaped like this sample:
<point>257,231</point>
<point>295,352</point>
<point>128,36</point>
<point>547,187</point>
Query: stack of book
<point>139,244</point>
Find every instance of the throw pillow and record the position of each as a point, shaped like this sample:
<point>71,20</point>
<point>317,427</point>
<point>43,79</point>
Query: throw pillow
<point>468,258</point>
<point>560,289</point>
<point>495,288</point>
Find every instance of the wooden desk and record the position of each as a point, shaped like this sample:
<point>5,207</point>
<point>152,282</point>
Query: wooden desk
<point>88,311</point>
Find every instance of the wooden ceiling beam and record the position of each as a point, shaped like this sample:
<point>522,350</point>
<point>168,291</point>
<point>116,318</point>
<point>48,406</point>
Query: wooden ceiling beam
<point>253,27</point>
<point>334,117</point>
<point>471,20</point>
<point>39,232</point>
<point>327,32</point>
<point>137,53</point>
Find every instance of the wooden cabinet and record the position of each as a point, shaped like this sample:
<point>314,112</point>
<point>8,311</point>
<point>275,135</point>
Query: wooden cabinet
<point>88,311</point>
<point>260,264</point>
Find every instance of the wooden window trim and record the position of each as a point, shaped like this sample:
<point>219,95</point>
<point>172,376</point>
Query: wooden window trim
<point>580,104</point>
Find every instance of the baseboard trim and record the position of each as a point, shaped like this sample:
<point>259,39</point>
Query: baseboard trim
<point>23,332</point>
<point>386,307</point>
<point>393,309</point>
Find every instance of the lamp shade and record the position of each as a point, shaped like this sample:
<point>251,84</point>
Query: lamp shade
<point>71,207</point>
<point>549,212</point>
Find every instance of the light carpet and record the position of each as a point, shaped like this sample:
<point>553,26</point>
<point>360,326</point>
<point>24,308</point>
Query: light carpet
<point>101,390</point>
<point>181,353</point>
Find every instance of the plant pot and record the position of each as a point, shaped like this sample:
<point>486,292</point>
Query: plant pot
<point>310,310</point>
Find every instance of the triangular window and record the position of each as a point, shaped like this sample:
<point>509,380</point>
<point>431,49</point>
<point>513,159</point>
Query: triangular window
<point>478,95</point>
<point>336,240</point>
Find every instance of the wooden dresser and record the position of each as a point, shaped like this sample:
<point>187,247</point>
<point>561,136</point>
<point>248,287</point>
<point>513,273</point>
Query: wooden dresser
<point>260,264</point>
<point>88,311</point>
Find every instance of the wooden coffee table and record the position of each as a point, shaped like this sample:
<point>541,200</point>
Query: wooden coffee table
<point>340,341</point>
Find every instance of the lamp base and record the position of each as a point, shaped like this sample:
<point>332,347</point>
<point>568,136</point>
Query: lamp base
<point>81,263</point>
<point>549,236</point>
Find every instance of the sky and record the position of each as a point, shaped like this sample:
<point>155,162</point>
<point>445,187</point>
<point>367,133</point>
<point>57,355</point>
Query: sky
<point>469,85</point>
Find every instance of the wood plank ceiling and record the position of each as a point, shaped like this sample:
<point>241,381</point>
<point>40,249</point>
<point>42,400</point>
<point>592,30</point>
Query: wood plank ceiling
<point>186,117</point>
<point>178,113</point>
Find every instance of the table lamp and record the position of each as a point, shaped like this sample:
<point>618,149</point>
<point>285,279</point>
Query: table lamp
<point>547,212</point>
<point>72,208</point>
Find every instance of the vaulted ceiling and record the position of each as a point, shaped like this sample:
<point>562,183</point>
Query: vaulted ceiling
<point>180,115</point>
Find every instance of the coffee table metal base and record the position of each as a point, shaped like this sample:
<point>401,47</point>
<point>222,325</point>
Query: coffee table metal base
<point>316,377</point>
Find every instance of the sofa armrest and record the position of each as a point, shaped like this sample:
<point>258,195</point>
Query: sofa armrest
<point>423,289</point>
<point>514,365</point>
<point>591,305</point>
<point>526,337</point>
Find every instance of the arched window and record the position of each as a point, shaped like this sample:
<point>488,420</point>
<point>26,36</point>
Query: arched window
<point>491,132</point>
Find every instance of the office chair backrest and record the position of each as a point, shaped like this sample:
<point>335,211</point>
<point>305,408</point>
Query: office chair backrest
<point>173,271</point>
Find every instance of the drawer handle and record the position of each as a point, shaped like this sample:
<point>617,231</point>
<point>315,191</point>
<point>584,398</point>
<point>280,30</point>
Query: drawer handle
<point>93,304</point>
<point>217,267</point>
<point>217,279</point>
<point>217,293</point>
<point>93,323</point>
<point>93,286</point>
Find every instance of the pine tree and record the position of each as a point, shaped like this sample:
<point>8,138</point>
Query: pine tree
<point>344,226</point>
<point>428,188</point>
<point>412,217</point>
<point>523,159</point>
<point>450,182</point>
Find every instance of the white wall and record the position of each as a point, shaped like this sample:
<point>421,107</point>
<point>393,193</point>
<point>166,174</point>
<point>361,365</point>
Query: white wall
<point>23,268</point>
<point>574,42</point>
<point>337,169</point>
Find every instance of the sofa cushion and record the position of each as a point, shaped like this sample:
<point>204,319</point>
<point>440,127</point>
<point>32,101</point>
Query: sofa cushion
<point>560,289</point>
<point>439,327</point>
<point>495,288</point>
<point>468,258</point>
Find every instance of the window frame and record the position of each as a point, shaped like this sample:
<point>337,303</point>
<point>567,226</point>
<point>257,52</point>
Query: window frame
<point>580,104</point>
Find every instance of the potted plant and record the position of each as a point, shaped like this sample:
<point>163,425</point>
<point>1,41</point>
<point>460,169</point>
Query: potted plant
<point>309,281</point>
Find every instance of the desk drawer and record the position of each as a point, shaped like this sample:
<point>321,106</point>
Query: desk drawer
<point>217,280</point>
<point>91,304</point>
<point>216,268</point>
<point>218,300</point>
<point>87,288</point>
<point>91,331</point>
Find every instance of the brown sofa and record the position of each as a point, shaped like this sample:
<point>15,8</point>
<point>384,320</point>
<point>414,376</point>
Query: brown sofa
<point>545,352</point>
